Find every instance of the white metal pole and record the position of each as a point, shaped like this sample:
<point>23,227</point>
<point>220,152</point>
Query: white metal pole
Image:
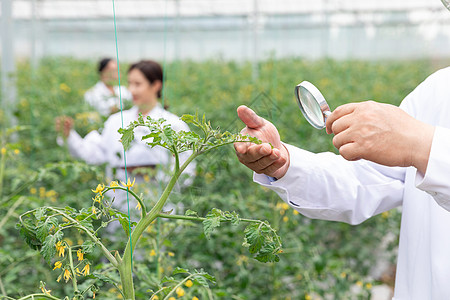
<point>7,60</point>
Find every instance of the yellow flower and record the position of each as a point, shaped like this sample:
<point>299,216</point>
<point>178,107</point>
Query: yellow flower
<point>78,272</point>
<point>189,283</point>
<point>3,151</point>
<point>138,206</point>
<point>343,275</point>
<point>285,219</point>
<point>359,283</point>
<point>129,184</point>
<point>180,292</point>
<point>172,298</point>
<point>98,198</point>
<point>42,192</point>
<point>171,254</point>
<point>296,212</point>
<point>285,206</point>
<point>85,270</point>
<point>282,212</point>
<point>45,291</point>
<point>16,151</point>
<point>114,184</point>
<point>60,248</point>
<point>308,297</point>
<point>93,210</point>
<point>80,254</point>
<point>58,265</point>
<point>65,88</point>
<point>368,286</point>
<point>99,189</point>
<point>195,298</point>
<point>385,214</point>
<point>152,252</point>
<point>155,297</point>
<point>33,191</point>
<point>67,275</point>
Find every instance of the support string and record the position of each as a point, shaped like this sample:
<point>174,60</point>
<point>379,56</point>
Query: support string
<point>121,116</point>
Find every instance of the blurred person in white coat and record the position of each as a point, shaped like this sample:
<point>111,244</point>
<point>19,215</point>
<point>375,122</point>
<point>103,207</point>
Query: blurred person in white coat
<point>145,79</point>
<point>104,95</point>
<point>389,157</point>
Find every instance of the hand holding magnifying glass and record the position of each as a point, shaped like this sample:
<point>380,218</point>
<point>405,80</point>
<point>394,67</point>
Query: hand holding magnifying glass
<point>378,132</point>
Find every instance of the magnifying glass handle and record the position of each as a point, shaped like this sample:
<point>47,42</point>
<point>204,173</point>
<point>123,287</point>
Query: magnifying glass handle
<point>326,114</point>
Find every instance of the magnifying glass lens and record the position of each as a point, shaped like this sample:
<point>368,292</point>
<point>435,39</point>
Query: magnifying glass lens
<point>312,104</point>
<point>311,107</point>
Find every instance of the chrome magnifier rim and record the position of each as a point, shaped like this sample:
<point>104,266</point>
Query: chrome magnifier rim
<point>318,98</point>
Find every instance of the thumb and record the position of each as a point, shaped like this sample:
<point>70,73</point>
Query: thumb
<point>249,117</point>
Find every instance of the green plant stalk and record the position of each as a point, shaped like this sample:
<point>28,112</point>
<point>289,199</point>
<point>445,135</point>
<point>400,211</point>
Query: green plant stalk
<point>125,266</point>
<point>32,296</point>
<point>72,269</point>
<point>178,285</point>
<point>2,170</point>
<point>144,209</point>
<point>11,211</point>
<point>192,218</point>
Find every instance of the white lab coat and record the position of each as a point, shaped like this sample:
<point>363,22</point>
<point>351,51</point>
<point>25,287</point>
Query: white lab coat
<point>103,100</point>
<point>325,186</point>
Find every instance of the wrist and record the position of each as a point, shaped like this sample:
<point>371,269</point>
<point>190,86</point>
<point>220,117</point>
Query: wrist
<point>283,169</point>
<point>422,147</point>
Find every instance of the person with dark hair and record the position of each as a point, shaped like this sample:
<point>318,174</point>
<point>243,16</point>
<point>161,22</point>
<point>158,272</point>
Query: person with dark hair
<point>104,95</point>
<point>145,79</point>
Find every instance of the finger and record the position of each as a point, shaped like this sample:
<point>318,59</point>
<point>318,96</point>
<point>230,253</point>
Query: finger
<point>253,153</point>
<point>350,151</point>
<point>249,117</point>
<point>274,167</point>
<point>338,113</point>
<point>263,163</point>
<point>241,147</point>
<point>341,124</point>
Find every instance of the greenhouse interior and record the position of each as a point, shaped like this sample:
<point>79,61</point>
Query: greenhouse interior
<point>163,149</point>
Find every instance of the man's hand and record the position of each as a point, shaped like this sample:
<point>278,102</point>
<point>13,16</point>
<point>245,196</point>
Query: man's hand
<point>381,133</point>
<point>63,124</point>
<point>261,158</point>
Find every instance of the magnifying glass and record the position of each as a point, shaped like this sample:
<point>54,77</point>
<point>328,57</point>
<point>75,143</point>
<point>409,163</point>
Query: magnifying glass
<point>312,104</point>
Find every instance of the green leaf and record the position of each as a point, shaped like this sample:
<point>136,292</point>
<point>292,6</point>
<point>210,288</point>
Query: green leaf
<point>102,278</point>
<point>179,270</point>
<point>127,137</point>
<point>125,224</point>
<point>48,249</point>
<point>254,237</point>
<point>191,213</point>
<point>211,222</point>
<point>268,253</point>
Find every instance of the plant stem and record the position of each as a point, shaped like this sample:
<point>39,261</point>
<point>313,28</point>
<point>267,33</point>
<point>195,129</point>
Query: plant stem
<point>74,278</point>
<point>125,267</point>
<point>178,285</point>
<point>144,209</point>
<point>192,218</point>
<point>11,211</point>
<point>32,296</point>
<point>2,169</point>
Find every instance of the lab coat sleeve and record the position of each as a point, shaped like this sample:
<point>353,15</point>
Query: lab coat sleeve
<point>436,180</point>
<point>90,148</point>
<point>326,186</point>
